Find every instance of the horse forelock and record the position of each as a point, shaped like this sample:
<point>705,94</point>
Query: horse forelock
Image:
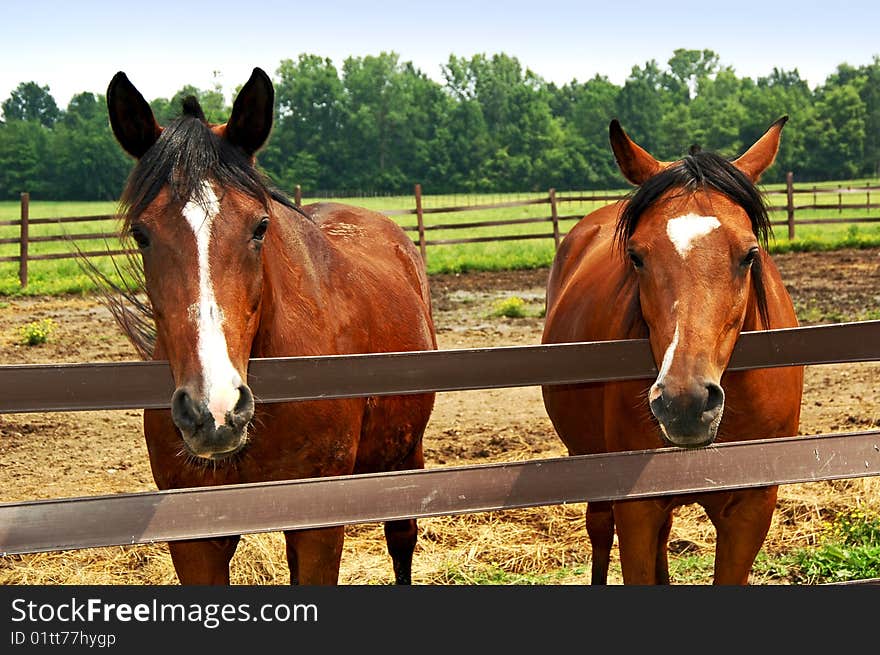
<point>701,171</point>
<point>191,107</point>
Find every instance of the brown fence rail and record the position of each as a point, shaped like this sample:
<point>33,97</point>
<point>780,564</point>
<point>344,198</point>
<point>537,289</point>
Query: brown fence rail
<point>138,385</point>
<point>148,517</point>
<point>138,518</point>
<point>423,229</point>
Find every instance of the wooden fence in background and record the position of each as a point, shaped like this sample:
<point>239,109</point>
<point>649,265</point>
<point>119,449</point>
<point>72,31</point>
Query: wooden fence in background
<point>791,207</point>
<point>24,238</point>
<point>424,228</point>
<point>148,517</point>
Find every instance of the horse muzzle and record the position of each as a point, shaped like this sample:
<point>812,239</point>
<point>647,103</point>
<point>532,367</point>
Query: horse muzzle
<point>202,436</point>
<point>689,418</point>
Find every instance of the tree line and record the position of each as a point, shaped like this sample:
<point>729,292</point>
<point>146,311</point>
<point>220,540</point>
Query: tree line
<point>379,124</point>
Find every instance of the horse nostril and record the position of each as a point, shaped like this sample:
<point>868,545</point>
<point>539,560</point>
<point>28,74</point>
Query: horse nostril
<point>184,411</point>
<point>658,401</point>
<point>656,391</point>
<point>714,397</point>
<point>243,411</point>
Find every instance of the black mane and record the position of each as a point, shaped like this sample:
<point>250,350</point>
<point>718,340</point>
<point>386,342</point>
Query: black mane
<point>185,155</point>
<point>700,171</point>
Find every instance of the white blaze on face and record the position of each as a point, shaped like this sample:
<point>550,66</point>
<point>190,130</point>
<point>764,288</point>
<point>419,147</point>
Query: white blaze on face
<point>684,230</point>
<point>664,366</point>
<point>220,380</point>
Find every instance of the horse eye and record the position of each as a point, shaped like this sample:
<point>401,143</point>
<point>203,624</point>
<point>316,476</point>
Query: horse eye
<point>260,230</point>
<point>139,234</point>
<point>750,257</point>
<point>635,259</point>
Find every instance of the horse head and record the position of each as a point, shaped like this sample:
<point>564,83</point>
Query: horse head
<point>199,212</point>
<point>693,232</point>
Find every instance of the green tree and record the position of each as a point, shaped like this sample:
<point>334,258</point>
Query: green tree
<point>716,113</point>
<point>687,70</point>
<point>88,163</point>
<point>775,95</point>
<point>866,80</point>
<point>85,109</point>
<point>391,113</point>
<point>461,149</point>
<point>25,161</point>
<point>870,95</point>
<point>515,106</point>
<point>835,143</point>
<point>641,105</point>
<point>585,111</point>
<point>31,102</point>
<point>306,146</point>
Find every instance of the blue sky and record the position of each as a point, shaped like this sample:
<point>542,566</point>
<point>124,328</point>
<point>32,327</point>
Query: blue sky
<point>162,45</point>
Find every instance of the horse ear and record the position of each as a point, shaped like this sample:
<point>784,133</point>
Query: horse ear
<point>131,117</point>
<point>251,121</point>
<point>634,161</point>
<point>761,155</point>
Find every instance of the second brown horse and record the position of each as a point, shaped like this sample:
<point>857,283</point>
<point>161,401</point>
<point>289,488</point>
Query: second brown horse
<point>682,263</point>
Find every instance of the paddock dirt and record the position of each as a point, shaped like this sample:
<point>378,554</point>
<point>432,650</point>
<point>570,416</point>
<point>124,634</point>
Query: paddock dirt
<point>86,453</point>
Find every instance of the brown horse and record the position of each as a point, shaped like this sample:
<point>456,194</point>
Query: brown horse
<point>681,263</point>
<point>234,270</point>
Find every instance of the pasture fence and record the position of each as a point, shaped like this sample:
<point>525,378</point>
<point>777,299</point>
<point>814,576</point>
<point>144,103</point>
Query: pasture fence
<point>423,228</point>
<point>25,238</point>
<point>157,516</point>
<point>791,207</point>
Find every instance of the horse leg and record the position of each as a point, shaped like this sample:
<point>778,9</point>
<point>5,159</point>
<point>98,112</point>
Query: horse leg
<point>742,520</point>
<point>313,556</point>
<point>663,551</point>
<point>640,524</point>
<point>401,536</point>
<point>600,528</point>
<point>203,561</point>
<point>401,539</point>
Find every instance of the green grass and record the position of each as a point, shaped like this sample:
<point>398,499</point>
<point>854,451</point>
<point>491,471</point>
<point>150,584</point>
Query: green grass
<point>493,575</point>
<point>848,550</point>
<point>65,276</point>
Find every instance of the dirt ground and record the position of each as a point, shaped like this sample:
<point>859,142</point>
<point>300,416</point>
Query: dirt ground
<point>87,453</point>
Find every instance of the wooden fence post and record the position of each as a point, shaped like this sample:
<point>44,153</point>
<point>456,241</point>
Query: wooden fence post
<point>555,215</point>
<point>297,196</point>
<point>422,246</point>
<point>789,190</point>
<point>23,240</point>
